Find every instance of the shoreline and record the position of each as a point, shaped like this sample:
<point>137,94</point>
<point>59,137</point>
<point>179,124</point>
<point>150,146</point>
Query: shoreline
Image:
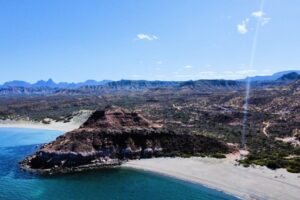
<point>66,170</point>
<point>226,176</point>
<point>55,126</point>
<point>220,174</point>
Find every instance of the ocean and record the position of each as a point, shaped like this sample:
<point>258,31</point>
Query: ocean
<point>104,184</point>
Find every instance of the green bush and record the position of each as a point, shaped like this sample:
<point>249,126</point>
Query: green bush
<point>293,170</point>
<point>260,162</point>
<point>246,165</point>
<point>218,155</point>
<point>272,164</point>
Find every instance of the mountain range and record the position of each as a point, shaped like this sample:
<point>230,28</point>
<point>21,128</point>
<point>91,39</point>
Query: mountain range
<point>151,84</point>
<point>51,84</point>
<point>92,87</point>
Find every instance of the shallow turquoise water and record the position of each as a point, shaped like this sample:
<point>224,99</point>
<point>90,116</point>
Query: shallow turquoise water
<point>106,184</point>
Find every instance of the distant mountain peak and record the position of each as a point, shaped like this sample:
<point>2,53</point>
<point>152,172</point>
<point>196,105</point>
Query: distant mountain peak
<point>272,77</point>
<point>50,80</point>
<point>289,77</point>
<point>49,83</point>
<point>16,83</point>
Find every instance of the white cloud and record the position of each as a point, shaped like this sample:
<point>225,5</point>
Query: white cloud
<point>188,66</point>
<point>258,14</point>
<point>261,15</point>
<point>143,36</point>
<point>265,20</point>
<point>242,27</point>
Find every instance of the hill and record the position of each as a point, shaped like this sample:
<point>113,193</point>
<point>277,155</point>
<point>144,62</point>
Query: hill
<point>112,135</point>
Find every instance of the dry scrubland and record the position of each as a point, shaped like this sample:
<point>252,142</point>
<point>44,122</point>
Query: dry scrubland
<point>212,109</point>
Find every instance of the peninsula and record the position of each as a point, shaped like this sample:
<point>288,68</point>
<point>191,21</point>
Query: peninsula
<point>111,136</point>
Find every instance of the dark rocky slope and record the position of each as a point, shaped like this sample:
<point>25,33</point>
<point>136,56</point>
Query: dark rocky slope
<point>115,134</point>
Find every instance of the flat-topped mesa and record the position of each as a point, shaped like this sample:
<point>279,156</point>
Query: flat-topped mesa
<point>112,135</point>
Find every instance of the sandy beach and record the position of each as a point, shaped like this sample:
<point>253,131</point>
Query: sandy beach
<point>74,123</point>
<point>225,175</point>
<point>59,126</point>
<point>221,174</point>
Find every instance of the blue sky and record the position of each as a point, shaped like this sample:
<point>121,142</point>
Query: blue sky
<point>75,40</point>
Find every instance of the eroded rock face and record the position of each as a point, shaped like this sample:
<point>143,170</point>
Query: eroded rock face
<point>117,118</point>
<point>116,134</point>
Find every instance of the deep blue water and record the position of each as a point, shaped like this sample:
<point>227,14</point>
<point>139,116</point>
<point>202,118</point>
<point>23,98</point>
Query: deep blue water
<point>106,184</point>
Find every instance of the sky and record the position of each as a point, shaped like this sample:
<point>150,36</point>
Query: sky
<point>77,40</point>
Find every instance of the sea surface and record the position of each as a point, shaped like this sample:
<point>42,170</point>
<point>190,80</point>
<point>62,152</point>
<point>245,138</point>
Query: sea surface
<point>106,184</point>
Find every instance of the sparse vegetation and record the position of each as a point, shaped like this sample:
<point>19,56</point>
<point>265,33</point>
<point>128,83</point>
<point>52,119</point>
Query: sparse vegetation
<point>189,109</point>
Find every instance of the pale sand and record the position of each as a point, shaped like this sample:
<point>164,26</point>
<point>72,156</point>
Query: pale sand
<point>79,118</point>
<point>225,175</point>
<point>58,126</point>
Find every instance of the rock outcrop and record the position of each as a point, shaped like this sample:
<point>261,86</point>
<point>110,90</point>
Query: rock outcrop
<point>115,134</point>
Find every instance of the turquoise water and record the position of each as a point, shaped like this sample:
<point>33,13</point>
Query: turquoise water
<point>106,184</point>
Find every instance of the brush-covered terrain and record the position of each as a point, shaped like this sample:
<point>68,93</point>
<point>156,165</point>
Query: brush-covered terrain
<point>212,109</point>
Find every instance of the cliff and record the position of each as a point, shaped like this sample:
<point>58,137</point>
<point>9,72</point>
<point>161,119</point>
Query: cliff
<point>115,134</point>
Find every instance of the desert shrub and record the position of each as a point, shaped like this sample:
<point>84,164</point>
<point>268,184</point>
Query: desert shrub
<point>218,155</point>
<point>293,170</point>
<point>273,164</point>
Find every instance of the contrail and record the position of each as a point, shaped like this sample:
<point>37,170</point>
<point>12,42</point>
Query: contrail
<point>248,81</point>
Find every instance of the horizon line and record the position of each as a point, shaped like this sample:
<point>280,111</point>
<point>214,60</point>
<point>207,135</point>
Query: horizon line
<point>123,79</point>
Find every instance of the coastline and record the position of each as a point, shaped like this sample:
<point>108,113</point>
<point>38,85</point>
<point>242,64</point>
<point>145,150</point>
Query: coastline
<point>56,126</point>
<point>226,176</point>
<point>220,174</point>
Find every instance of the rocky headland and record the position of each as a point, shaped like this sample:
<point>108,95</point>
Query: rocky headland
<point>111,136</point>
